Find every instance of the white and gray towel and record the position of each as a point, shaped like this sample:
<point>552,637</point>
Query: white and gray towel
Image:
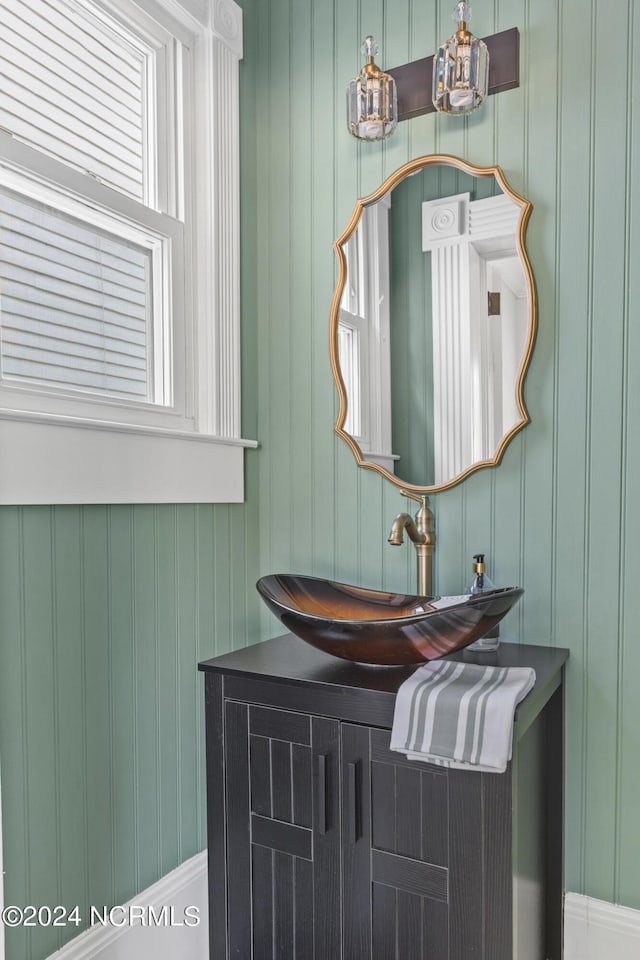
<point>460,714</point>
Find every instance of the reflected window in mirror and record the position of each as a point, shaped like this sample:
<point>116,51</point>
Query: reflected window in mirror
<point>364,335</point>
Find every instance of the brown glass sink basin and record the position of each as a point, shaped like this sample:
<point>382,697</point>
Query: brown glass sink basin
<point>370,626</point>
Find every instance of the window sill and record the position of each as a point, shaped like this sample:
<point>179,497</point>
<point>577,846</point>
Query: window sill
<point>47,460</point>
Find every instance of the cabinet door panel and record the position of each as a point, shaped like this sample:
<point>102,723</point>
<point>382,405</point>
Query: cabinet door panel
<point>409,856</point>
<point>260,760</point>
<point>441,836</point>
<point>262,896</point>
<point>282,906</point>
<point>383,805</point>
<point>284,837</point>
<point>408,926</point>
<point>410,802</point>
<point>280,725</point>
<point>284,876</point>
<point>305,910</point>
<point>384,928</point>
<point>282,780</point>
<point>412,876</point>
<point>284,946</point>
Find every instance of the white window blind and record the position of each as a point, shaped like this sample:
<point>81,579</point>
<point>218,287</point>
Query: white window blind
<point>76,86</point>
<point>74,305</point>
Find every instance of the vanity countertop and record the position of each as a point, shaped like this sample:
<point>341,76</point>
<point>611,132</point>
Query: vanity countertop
<point>368,689</point>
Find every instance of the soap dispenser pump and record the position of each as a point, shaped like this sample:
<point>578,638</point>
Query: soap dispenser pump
<point>481,584</point>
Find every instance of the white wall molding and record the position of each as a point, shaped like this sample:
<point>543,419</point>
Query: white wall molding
<point>58,464</point>
<point>474,407</point>
<point>226,23</point>
<point>218,55</point>
<point>452,323</point>
<point>594,929</point>
<point>184,886</point>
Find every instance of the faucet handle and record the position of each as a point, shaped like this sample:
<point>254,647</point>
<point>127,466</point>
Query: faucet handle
<point>424,518</point>
<point>422,500</point>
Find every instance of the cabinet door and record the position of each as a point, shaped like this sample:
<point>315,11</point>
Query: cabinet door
<point>395,852</point>
<point>426,870</point>
<point>283,834</point>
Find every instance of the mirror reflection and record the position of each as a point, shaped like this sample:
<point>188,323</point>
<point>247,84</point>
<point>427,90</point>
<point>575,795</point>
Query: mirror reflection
<point>434,323</point>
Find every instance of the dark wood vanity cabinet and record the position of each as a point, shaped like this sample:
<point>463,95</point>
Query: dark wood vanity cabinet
<point>325,845</point>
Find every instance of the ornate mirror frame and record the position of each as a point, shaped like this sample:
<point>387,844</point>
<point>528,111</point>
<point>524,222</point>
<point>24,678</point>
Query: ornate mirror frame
<point>413,166</point>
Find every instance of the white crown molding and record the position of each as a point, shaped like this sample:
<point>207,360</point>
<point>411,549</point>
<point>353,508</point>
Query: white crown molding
<point>222,17</point>
<point>184,886</point>
<point>226,24</point>
<point>594,929</point>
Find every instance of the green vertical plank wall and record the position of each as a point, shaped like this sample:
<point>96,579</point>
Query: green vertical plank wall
<point>560,514</point>
<point>104,611</point>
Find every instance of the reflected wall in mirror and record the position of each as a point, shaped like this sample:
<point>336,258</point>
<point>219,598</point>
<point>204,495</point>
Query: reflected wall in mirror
<point>433,323</point>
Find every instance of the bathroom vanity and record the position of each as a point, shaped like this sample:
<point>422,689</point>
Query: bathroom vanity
<point>324,844</point>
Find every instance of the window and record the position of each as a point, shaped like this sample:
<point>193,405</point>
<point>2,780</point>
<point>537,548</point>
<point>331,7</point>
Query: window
<point>112,337</point>
<point>364,335</point>
<point>79,85</point>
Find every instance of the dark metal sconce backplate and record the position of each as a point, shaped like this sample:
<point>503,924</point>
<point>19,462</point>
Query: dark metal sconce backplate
<point>414,80</point>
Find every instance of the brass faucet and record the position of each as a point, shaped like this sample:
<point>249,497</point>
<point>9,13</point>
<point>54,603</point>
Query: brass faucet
<point>423,534</point>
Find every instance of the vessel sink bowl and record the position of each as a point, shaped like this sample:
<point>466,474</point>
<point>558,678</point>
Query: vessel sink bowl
<point>371,626</point>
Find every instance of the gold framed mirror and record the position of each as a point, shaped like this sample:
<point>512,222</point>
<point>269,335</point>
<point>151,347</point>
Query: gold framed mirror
<point>433,322</point>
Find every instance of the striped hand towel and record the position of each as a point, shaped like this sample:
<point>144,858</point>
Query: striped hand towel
<point>460,714</point>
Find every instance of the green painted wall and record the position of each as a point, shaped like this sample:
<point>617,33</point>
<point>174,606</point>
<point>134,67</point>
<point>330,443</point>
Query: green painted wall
<point>561,514</point>
<point>104,611</point>
<point>103,618</point>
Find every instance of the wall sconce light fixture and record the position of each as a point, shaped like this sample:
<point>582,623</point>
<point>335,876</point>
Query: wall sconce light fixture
<point>460,69</point>
<point>372,102</point>
<point>455,80</point>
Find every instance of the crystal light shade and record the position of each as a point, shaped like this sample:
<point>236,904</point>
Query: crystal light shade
<point>372,100</point>
<point>460,69</point>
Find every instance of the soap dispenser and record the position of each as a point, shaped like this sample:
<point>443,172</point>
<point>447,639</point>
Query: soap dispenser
<point>481,584</point>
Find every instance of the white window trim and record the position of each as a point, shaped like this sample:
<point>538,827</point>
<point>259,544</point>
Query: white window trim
<point>161,236</point>
<point>373,333</point>
<point>61,459</point>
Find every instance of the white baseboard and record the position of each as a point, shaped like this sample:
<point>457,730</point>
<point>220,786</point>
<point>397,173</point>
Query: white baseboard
<point>594,930</point>
<point>186,886</point>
